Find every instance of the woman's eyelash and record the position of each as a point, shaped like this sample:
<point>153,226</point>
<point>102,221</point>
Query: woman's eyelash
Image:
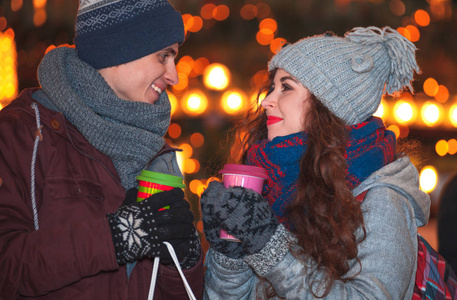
<point>286,87</point>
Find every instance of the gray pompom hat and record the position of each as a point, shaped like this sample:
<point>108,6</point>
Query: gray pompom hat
<point>350,74</point>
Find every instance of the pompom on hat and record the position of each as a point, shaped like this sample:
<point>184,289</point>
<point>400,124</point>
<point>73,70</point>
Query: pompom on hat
<point>350,74</point>
<point>113,32</point>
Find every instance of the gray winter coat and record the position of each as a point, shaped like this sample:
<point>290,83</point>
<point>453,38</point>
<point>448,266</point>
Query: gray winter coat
<point>393,208</point>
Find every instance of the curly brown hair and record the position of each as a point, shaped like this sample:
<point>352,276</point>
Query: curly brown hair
<point>325,215</point>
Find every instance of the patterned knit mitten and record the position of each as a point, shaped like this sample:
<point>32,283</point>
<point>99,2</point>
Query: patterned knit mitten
<point>138,229</point>
<point>212,224</point>
<point>245,214</point>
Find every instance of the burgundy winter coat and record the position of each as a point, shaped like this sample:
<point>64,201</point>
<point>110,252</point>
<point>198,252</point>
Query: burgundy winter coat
<point>72,255</point>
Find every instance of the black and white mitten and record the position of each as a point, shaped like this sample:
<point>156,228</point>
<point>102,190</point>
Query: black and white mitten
<point>139,229</point>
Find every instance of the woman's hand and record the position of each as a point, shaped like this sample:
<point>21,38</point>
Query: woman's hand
<point>242,212</point>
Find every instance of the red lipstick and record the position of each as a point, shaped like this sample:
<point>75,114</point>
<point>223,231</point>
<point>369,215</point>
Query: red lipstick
<point>272,120</point>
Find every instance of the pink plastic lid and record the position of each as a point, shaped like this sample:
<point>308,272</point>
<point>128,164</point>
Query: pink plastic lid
<point>244,170</point>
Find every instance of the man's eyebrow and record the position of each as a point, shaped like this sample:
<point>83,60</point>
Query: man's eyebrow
<point>171,51</point>
<point>288,78</point>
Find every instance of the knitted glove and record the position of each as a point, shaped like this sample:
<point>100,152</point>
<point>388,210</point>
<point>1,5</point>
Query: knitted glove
<point>243,213</point>
<point>139,228</point>
<point>212,224</point>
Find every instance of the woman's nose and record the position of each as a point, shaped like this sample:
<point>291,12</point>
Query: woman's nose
<point>268,101</point>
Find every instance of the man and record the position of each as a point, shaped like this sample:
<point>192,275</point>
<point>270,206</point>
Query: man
<point>70,226</point>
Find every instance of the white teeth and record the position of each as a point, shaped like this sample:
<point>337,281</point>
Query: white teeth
<point>157,89</point>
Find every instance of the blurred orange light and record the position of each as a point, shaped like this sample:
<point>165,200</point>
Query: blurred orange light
<point>268,24</point>
<point>182,83</point>
<point>173,102</point>
<point>221,12</point>
<point>216,76</point>
<point>200,65</point>
<point>197,139</point>
<point>194,185</point>
<point>3,23</point>
<point>431,87</point>
<point>414,34</point>
<point>187,150</point>
<point>197,24</point>
<point>39,3</point>
<point>174,131</point>
<point>16,5</point>
<point>248,12</point>
<point>453,115</point>
<point>39,17</point>
<point>264,36</point>
<point>397,7</point>
<point>442,95</point>
<point>431,113</point>
<point>259,79</point>
<point>191,165</point>
<point>277,44</point>
<point>185,65</point>
<point>263,10</point>
<point>441,147</point>
<point>194,102</point>
<point>8,67</point>
<point>207,11</point>
<point>452,143</point>
<point>404,111</point>
<point>395,129</point>
<point>233,101</point>
<point>422,17</point>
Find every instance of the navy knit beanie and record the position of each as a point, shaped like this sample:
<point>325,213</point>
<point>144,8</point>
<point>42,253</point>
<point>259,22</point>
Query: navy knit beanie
<point>113,32</point>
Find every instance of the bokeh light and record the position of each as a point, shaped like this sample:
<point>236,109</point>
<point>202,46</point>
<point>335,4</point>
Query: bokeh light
<point>183,82</point>
<point>442,95</point>
<point>441,147</point>
<point>194,102</point>
<point>248,11</point>
<point>430,113</point>
<point>8,73</point>
<point>412,33</point>
<point>216,77</point>
<point>197,139</point>
<point>277,44</point>
<point>428,179</point>
<point>233,101</point>
<point>430,87</point>
<point>264,36</point>
<point>207,11</point>
<point>452,144</point>
<point>422,18</point>
<point>221,12</point>
<point>395,129</point>
<point>173,102</point>
<point>404,112</point>
<point>16,5</point>
<point>453,115</point>
<point>397,7</point>
<point>187,150</point>
<point>174,131</point>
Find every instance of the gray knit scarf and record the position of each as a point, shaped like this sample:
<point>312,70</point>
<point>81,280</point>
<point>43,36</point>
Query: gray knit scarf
<point>130,133</point>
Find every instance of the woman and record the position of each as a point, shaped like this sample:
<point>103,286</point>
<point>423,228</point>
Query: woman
<point>342,209</point>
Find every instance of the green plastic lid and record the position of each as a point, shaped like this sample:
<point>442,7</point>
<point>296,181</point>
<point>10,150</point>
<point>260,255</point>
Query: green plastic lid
<point>161,178</point>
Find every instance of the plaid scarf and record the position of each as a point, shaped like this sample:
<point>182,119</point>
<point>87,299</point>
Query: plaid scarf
<point>370,146</point>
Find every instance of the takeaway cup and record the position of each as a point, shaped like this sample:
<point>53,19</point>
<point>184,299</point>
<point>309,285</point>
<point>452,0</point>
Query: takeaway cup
<point>250,177</point>
<point>153,182</point>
